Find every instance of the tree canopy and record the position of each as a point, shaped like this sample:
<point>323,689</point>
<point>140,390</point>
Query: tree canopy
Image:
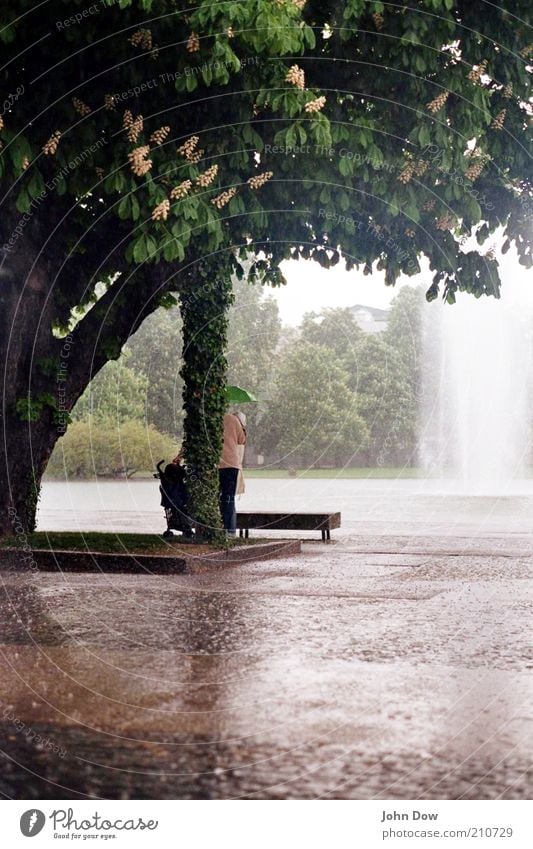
<point>161,129</point>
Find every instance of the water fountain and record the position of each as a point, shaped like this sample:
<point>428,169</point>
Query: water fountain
<point>476,423</point>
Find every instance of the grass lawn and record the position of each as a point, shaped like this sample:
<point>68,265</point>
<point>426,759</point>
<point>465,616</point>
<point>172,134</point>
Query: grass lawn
<point>361,474</point>
<point>118,543</point>
<point>377,473</point>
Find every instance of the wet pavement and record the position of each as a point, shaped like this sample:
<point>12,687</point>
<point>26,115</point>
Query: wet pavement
<point>396,667</point>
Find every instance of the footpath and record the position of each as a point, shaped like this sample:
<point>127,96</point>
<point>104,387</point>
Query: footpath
<point>369,667</point>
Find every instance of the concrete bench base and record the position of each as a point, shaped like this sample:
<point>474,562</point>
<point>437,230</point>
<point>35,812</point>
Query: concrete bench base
<point>271,521</point>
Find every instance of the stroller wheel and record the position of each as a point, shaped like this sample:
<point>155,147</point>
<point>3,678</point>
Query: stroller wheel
<point>168,534</point>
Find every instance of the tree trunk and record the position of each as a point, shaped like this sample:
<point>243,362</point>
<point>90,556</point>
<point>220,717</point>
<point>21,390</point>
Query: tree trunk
<point>29,390</point>
<point>205,322</point>
<point>43,376</point>
<point>28,449</point>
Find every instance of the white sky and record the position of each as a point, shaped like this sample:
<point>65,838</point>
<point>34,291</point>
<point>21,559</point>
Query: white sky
<point>311,288</point>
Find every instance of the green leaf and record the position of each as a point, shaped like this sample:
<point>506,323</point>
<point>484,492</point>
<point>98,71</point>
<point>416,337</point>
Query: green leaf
<point>473,209</point>
<point>140,252</point>
<point>7,34</point>
<point>124,208</point>
<point>135,207</point>
<point>344,166</point>
<point>189,211</point>
<point>23,201</point>
<point>19,151</point>
<point>424,136</point>
<point>290,137</point>
<point>309,37</point>
<point>212,222</point>
<point>36,186</point>
<point>411,210</point>
<point>302,134</point>
<point>151,247</point>
<point>169,251</point>
<point>343,201</point>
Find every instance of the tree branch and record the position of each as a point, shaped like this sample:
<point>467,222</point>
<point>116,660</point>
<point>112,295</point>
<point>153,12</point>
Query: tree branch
<point>101,334</point>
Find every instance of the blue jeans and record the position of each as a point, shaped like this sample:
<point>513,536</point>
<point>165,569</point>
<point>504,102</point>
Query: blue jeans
<point>228,487</point>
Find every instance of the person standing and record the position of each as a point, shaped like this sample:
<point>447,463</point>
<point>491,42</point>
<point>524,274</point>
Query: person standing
<point>228,469</point>
<point>240,478</point>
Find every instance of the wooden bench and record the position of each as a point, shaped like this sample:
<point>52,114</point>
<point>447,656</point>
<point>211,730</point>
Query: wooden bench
<point>271,521</point>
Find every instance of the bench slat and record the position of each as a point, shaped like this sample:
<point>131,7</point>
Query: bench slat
<point>270,520</point>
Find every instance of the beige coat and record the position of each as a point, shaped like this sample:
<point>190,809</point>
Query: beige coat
<point>234,442</point>
<point>241,486</point>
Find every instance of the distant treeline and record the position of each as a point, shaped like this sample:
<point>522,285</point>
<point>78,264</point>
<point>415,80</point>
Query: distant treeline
<point>329,393</point>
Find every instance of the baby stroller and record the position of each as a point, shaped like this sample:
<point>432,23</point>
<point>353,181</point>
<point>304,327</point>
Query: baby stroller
<point>174,499</point>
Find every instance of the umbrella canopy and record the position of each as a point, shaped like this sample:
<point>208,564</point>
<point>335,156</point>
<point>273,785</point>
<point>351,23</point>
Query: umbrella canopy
<point>236,395</point>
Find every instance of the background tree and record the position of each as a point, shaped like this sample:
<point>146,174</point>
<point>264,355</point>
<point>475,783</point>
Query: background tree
<point>338,330</point>
<point>117,394</point>
<point>409,126</point>
<point>376,369</point>
<point>313,417</point>
<point>405,333</point>
<point>386,402</point>
<point>253,338</point>
<point>155,353</point>
<point>100,448</point>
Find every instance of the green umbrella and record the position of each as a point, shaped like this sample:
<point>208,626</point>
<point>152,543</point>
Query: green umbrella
<point>236,395</point>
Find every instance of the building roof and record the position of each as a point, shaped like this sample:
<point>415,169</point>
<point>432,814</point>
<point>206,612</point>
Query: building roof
<point>374,312</point>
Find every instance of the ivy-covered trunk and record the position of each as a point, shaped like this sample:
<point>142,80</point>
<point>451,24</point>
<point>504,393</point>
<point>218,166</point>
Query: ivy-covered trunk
<point>204,312</point>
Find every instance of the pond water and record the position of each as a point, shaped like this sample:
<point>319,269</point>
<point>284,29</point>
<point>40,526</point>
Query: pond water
<point>369,507</point>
